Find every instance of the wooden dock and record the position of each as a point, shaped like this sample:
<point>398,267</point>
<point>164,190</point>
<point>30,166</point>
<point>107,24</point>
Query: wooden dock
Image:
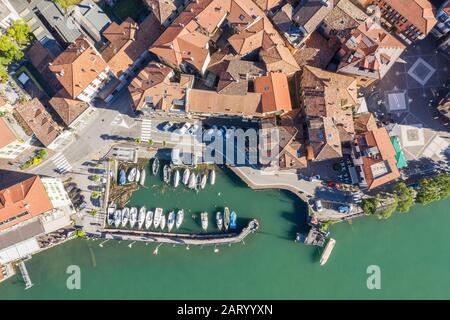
<point>203,239</point>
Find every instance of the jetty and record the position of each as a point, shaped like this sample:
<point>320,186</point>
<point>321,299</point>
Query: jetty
<point>197,239</point>
<point>327,252</point>
<point>25,275</point>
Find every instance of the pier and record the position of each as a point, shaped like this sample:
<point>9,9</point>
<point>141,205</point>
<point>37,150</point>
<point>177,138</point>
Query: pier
<point>202,239</point>
<point>25,275</point>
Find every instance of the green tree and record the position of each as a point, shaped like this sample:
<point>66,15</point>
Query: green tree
<point>405,196</point>
<point>95,178</point>
<point>9,50</point>
<point>20,32</point>
<point>137,140</point>
<point>3,73</point>
<point>434,189</point>
<point>95,195</point>
<point>370,205</point>
<point>388,211</point>
<point>41,153</point>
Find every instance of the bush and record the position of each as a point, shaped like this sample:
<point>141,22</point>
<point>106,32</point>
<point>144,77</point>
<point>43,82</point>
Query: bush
<point>95,195</point>
<point>405,196</point>
<point>437,188</point>
<point>370,205</point>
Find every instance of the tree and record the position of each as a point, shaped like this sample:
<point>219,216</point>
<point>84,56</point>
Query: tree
<point>3,74</point>
<point>437,188</point>
<point>20,32</point>
<point>95,195</point>
<point>137,140</point>
<point>405,196</point>
<point>9,50</point>
<point>370,205</point>
<point>388,211</point>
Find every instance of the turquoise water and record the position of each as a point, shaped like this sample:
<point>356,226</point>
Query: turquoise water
<point>411,250</point>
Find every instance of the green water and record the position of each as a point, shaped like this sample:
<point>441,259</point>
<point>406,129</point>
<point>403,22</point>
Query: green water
<point>411,250</point>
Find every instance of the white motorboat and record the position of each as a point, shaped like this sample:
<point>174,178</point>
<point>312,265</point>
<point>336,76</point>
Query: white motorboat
<point>204,217</point>
<point>142,180</point>
<point>219,220</point>
<point>186,174</point>
<point>166,171</point>
<point>141,217</point>
<point>203,181</point>
<point>212,177</point>
<point>117,218</point>
<point>192,180</point>
<point>110,213</point>
<point>155,166</point>
<point>133,216</point>
<point>179,219</point>
<point>138,175</point>
<point>132,175</point>
<point>176,178</point>
<point>163,222</point>
<point>148,219</point>
<point>226,218</point>
<point>171,220</point>
<point>125,216</point>
<point>157,217</point>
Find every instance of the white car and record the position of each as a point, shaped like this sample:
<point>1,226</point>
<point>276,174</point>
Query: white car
<point>184,128</point>
<point>315,178</point>
<point>319,207</point>
<point>167,126</point>
<point>193,130</point>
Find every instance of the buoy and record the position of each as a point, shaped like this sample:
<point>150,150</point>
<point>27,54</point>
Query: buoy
<point>216,250</point>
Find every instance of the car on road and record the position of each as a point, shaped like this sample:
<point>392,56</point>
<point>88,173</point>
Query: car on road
<point>184,128</point>
<point>315,178</point>
<point>167,125</point>
<point>319,207</point>
<point>82,205</point>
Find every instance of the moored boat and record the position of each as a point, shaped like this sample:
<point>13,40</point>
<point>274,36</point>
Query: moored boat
<point>122,177</point>
<point>327,251</point>
<point>204,217</point>
<point>233,220</point>
<point>155,166</point>
<point>148,219</point>
<point>199,181</point>
<point>219,220</point>
<point>179,219</point>
<point>138,175</point>
<point>141,217</point>
<point>166,171</point>
<point>226,218</point>
<point>163,222</point>
<point>142,180</point>
<point>203,181</point>
<point>186,174</point>
<point>132,174</point>
<point>157,217</point>
<point>125,216</point>
<point>133,216</point>
<point>171,220</point>
<point>110,213</point>
<point>192,180</point>
<point>117,218</point>
<point>176,178</point>
<point>212,177</point>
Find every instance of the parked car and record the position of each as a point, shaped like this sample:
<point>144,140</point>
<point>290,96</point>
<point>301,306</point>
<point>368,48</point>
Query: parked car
<point>345,208</point>
<point>193,130</point>
<point>184,128</point>
<point>319,207</point>
<point>315,178</point>
<point>82,205</point>
<point>167,126</point>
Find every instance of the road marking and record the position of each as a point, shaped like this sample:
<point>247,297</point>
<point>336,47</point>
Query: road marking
<point>61,163</point>
<point>146,130</point>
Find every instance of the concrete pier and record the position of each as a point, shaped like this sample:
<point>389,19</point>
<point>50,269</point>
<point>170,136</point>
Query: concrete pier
<point>204,239</point>
<point>25,275</point>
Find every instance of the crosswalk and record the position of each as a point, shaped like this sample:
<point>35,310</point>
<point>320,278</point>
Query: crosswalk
<point>146,130</point>
<point>61,163</point>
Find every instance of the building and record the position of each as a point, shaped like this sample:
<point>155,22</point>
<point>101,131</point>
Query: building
<point>154,89</point>
<point>374,157</point>
<point>81,71</point>
<point>444,106</point>
<point>166,11</point>
<point>36,121</point>
<point>274,89</point>
<point>7,14</point>
<point>68,110</point>
<point>268,5</point>
<point>328,100</point>
<point>369,53</point>
<point>442,27</point>
<point>411,20</point>
<point>10,145</point>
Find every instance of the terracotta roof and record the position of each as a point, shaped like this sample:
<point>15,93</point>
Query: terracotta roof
<point>364,122</point>
<point>39,56</point>
<point>344,17</point>
<point>68,109</point>
<point>418,12</point>
<point>211,102</point>
<point>162,9</point>
<point>311,13</point>
<point>267,5</point>
<point>324,138</point>
<point>317,51</point>
<point>275,92</point>
<point>128,41</point>
<point>38,121</point>
<point>22,197</point>
<point>235,75</point>
<point>6,135</point>
<point>279,59</point>
<point>77,67</point>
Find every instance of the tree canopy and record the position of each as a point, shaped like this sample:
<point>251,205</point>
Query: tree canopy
<point>434,189</point>
<point>405,197</point>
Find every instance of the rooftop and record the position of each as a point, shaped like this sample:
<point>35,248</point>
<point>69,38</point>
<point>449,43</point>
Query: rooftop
<point>68,109</point>
<point>6,134</point>
<point>274,89</point>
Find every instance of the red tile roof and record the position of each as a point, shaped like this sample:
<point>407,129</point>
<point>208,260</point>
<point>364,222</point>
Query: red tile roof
<point>6,135</point>
<point>275,92</point>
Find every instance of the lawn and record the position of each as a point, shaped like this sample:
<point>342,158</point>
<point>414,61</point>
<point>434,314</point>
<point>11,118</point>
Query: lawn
<point>126,8</point>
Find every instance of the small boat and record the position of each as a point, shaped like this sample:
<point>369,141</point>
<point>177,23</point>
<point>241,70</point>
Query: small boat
<point>110,213</point>
<point>133,216</point>
<point>132,175</point>
<point>122,177</point>
<point>199,181</point>
<point>171,220</point>
<point>204,217</point>
<point>226,218</point>
<point>155,166</point>
<point>179,219</point>
<point>163,221</point>
<point>157,217</point>
<point>192,181</point>
<point>117,218</point>
<point>166,171</point>
<point>141,217</point>
<point>327,252</point>
<point>186,174</point>
<point>148,219</point>
<point>203,181</point>
<point>138,175</point>
<point>142,180</point>
<point>125,216</point>
<point>219,220</point>
<point>212,177</point>
<point>176,178</point>
<point>233,218</point>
